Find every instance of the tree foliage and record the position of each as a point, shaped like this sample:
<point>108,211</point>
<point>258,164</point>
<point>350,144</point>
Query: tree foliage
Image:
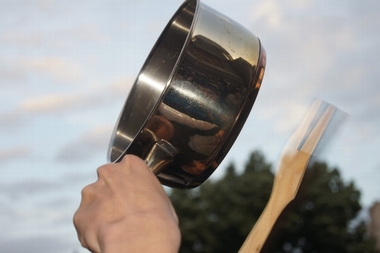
<point>218,215</point>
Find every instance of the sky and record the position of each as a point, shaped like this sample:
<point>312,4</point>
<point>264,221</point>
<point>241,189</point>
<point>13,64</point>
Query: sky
<point>66,68</point>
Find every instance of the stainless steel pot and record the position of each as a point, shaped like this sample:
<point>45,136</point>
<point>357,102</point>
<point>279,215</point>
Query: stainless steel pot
<point>191,97</point>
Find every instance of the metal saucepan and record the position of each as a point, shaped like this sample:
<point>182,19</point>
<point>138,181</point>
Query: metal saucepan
<point>191,97</point>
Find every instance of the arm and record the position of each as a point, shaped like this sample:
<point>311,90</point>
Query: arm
<point>126,210</point>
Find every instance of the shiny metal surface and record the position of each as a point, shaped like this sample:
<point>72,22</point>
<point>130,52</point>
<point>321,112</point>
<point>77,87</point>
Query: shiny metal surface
<point>191,97</point>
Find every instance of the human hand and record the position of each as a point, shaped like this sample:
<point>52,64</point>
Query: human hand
<point>126,210</point>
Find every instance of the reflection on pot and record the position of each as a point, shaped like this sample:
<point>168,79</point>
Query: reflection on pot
<point>192,96</point>
<point>202,104</point>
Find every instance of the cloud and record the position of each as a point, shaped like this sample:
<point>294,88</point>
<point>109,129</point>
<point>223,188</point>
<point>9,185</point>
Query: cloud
<point>11,154</point>
<point>268,12</point>
<point>34,202</point>
<point>56,68</point>
<point>25,20</point>
<point>87,32</point>
<point>59,104</point>
<point>28,187</point>
<point>50,103</point>
<point>22,39</point>
<point>322,51</point>
<point>41,244</point>
<point>86,146</point>
<point>14,120</point>
<point>61,38</point>
<point>284,119</point>
<point>40,223</point>
<point>11,121</point>
<point>59,68</point>
<point>121,86</point>
<point>37,206</point>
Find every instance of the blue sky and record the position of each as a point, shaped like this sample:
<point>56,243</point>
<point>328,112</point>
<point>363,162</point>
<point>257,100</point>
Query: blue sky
<point>66,68</point>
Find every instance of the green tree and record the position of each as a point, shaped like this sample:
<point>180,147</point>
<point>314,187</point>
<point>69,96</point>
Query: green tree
<point>218,215</point>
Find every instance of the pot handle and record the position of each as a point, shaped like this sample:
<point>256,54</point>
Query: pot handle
<point>161,154</point>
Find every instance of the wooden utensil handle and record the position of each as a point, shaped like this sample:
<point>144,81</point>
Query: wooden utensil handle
<point>259,233</point>
<point>285,187</point>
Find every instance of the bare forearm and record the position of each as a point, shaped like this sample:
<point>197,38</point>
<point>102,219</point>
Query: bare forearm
<point>157,236</point>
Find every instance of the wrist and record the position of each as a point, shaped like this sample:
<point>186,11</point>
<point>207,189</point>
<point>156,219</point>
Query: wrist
<point>141,235</point>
